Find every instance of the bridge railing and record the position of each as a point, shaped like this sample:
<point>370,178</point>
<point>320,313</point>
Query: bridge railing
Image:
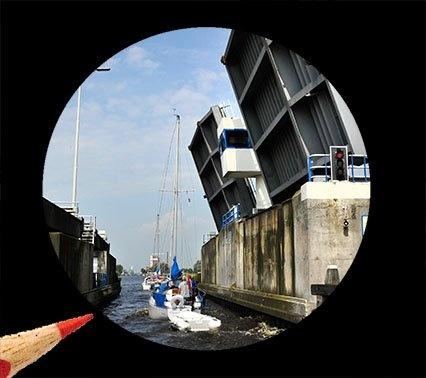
<point>231,215</point>
<point>69,206</point>
<point>319,168</point>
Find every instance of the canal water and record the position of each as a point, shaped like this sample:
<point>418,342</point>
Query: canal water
<point>239,328</point>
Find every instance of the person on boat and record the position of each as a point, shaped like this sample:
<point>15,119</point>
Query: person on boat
<point>195,287</point>
<point>189,283</point>
<point>191,292</point>
<point>183,288</point>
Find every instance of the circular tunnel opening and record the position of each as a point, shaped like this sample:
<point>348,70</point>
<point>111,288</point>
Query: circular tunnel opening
<point>225,150</point>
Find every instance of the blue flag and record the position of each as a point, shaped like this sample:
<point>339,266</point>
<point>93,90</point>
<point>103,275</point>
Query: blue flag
<point>175,272</point>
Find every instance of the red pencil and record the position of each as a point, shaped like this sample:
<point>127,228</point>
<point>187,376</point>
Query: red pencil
<point>22,349</point>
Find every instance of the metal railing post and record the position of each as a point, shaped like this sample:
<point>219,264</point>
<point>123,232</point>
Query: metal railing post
<point>325,170</point>
<point>352,168</point>
<point>309,168</point>
<point>365,169</point>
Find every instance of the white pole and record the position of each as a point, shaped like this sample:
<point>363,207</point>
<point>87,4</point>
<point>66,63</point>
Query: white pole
<point>173,240</point>
<point>77,135</point>
<point>176,215</point>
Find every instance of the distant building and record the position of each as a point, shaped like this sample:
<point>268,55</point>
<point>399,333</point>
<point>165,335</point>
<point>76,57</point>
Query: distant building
<point>154,260</point>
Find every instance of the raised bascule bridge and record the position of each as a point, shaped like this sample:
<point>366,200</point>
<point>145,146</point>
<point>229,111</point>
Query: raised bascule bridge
<point>288,185</point>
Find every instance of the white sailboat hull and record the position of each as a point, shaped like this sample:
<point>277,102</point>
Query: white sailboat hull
<point>156,312</point>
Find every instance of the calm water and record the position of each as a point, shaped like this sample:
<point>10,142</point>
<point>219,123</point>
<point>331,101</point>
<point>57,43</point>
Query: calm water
<point>238,327</point>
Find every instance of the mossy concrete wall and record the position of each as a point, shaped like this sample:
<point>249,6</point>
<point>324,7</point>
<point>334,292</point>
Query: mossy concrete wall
<point>269,261</point>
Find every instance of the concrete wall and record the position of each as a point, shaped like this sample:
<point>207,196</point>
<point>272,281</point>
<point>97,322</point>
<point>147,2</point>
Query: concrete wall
<point>100,243</point>
<point>256,254</point>
<point>76,257</point>
<point>104,294</point>
<point>208,262</point>
<point>111,269</point>
<point>270,260</point>
<point>321,239</point>
<point>59,220</point>
<point>102,258</point>
<point>81,259</point>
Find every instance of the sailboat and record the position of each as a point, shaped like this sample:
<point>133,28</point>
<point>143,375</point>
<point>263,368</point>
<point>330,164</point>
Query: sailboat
<point>165,301</point>
<point>164,297</point>
<point>151,279</point>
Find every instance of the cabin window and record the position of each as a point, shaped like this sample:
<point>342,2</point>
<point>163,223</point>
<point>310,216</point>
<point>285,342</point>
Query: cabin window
<point>234,138</point>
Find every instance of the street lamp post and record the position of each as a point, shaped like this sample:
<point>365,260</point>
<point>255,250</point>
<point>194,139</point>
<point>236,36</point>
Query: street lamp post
<point>77,138</point>
<point>75,168</point>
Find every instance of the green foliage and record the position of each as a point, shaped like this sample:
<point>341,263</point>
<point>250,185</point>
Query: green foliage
<point>119,269</point>
<point>164,267</point>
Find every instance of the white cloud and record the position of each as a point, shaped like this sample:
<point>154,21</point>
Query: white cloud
<point>206,79</point>
<point>112,62</point>
<point>188,54</point>
<point>138,57</point>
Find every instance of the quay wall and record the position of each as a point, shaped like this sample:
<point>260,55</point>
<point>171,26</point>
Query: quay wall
<point>269,261</point>
<point>59,220</point>
<point>90,266</point>
<point>76,257</point>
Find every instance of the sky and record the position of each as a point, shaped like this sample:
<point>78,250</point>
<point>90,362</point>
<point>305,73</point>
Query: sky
<point>126,125</point>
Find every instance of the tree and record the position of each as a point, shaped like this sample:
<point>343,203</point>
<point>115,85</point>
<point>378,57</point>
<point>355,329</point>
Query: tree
<point>197,266</point>
<point>143,271</point>
<point>164,267</point>
<point>119,269</point>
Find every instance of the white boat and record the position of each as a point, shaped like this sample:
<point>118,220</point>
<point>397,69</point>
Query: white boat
<point>187,320</point>
<point>147,283</point>
<point>171,302</point>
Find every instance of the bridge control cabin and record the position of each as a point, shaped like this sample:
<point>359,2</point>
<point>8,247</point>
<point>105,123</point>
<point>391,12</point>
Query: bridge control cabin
<point>237,156</point>
<point>222,191</point>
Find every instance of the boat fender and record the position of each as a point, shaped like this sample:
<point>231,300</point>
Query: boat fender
<point>177,301</point>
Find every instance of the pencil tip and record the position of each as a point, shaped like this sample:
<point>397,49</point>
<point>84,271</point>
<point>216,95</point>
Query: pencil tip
<point>68,326</point>
<point>5,367</point>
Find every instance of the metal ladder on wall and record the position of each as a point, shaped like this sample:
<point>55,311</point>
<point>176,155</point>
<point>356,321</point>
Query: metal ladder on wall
<point>89,229</point>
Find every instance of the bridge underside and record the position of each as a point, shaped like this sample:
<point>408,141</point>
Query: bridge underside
<point>290,109</point>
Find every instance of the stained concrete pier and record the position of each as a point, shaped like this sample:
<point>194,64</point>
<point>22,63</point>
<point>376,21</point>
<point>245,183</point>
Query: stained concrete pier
<point>269,261</point>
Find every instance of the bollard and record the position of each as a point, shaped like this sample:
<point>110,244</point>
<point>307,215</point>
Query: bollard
<point>322,291</point>
<point>332,275</point>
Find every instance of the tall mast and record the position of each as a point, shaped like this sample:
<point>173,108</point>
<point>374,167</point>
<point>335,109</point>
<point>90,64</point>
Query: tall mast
<point>157,236</point>
<point>175,195</point>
